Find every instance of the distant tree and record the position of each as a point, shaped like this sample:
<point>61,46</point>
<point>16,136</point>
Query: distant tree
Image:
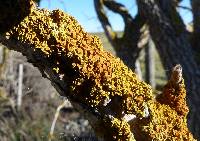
<point>129,45</point>
<point>195,35</point>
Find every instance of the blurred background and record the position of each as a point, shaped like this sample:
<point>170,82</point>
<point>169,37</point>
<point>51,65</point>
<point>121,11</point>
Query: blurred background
<point>28,102</point>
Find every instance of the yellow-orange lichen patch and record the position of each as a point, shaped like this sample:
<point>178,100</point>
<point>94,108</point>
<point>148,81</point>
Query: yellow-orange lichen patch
<point>119,131</point>
<point>167,113</point>
<point>175,97</point>
<point>166,124</point>
<point>174,93</point>
<point>59,37</point>
<point>80,67</point>
<point>167,119</point>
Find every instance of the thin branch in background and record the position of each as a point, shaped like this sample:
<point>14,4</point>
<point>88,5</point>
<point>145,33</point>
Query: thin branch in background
<point>60,1</point>
<point>20,85</point>
<point>187,10</point>
<point>89,17</point>
<point>184,7</point>
<point>101,13</point>
<point>30,90</point>
<point>118,8</point>
<point>55,118</point>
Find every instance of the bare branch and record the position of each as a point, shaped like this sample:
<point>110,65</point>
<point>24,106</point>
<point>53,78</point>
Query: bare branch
<point>184,7</point>
<point>132,25</point>
<point>126,46</point>
<point>64,103</point>
<point>112,35</point>
<point>119,9</point>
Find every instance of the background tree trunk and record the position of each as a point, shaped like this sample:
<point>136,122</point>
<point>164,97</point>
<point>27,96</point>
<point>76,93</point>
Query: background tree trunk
<point>150,64</point>
<point>129,45</point>
<point>171,40</point>
<point>196,28</point>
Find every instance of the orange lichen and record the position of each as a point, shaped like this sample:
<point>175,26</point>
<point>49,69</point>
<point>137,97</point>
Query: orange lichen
<point>166,124</point>
<point>175,98</point>
<point>119,130</point>
<point>77,63</point>
<point>168,114</point>
<point>59,36</point>
<point>174,93</point>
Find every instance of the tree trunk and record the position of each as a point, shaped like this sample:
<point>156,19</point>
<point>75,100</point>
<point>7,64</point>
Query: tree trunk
<point>149,64</point>
<point>172,43</point>
<point>196,28</point>
<point>126,47</point>
<point>138,70</point>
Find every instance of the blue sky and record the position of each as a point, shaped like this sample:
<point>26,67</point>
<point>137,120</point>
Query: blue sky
<point>84,12</point>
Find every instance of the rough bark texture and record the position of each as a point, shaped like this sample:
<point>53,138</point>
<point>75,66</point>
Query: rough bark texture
<point>99,85</point>
<point>129,45</point>
<point>171,39</point>
<point>150,64</point>
<point>196,28</point>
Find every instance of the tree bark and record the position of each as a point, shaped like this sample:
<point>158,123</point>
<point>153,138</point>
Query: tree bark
<point>149,64</point>
<point>171,40</point>
<point>196,28</point>
<point>98,85</point>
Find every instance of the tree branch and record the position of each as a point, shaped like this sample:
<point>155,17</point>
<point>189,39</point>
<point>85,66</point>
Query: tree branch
<point>99,85</point>
<point>112,35</point>
<point>174,48</point>
<point>184,7</point>
<point>196,27</point>
<point>80,69</point>
<point>119,9</point>
<point>169,10</point>
<point>128,46</point>
<point>132,25</point>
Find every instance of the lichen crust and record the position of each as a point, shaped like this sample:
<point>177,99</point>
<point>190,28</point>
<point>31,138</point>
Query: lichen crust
<point>92,74</point>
